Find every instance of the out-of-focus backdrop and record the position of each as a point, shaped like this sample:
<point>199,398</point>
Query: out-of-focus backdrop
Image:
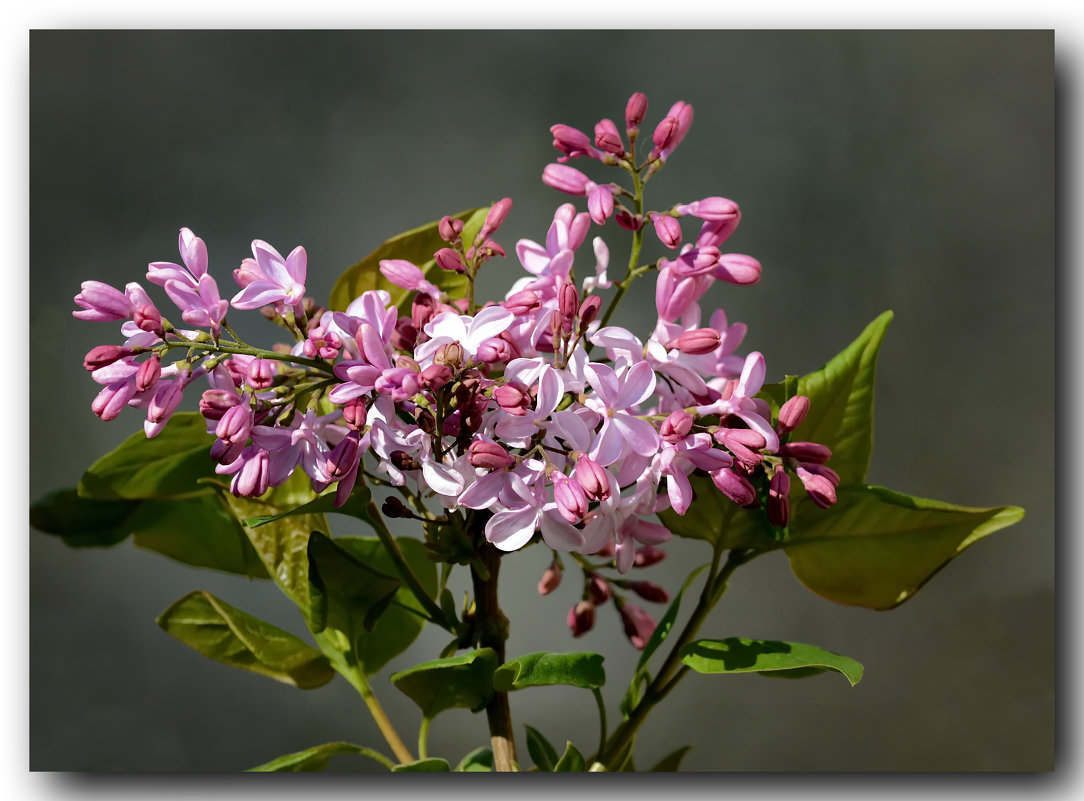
<point>911,171</point>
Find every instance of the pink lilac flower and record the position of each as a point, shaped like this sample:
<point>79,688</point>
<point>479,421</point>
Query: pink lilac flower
<point>269,278</point>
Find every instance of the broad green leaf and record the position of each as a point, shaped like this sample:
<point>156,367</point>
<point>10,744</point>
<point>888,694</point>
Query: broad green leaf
<point>82,522</point>
<point>315,758</point>
<point>841,403</point>
<point>577,669</point>
<point>713,517</point>
<point>397,627</point>
<point>542,753</point>
<point>480,760</point>
<point>423,766</point>
<point>875,547</point>
<point>228,635</point>
<point>672,761</point>
<point>473,224</point>
<point>416,246</point>
<point>458,681</point>
<point>345,594</point>
<point>167,466</point>
<point>740,655</point>
<point>571,760</point>
<point>356,506</point>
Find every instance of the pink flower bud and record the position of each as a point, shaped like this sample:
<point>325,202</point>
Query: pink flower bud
<point>739,269</point>
<point>589,310</point>
<point>568,299</point>
<point>598,589</point>
<point>435,376</point>
<point>355,414</point>
<point>635,109</point>
<point>489,456</point>
<point>565,179</point>
<point>638,624</point>
<point>164,402</point>
<point>112,399</point>
<point>450,354</point>
<point>667,229</point>
<point>422,310</point>
<point>235,425</point>
<point>252,479</point>
<point>148,373</point>
<point>570,141</point>
<point>148,318</point>
<point>712,209</point>
<point>593,478</point>
<point>806,451</point>
<point>665,133</point>
<point>494,218</point>
<point>401,272</point>
<point>696,342</point>
<point>404,336</point>
<point>550,580</point>
<point>650,591</point>
<point>792,413</point>
<point>569,496</point>
<point>104,355</point>
<point>629,222</point>
<point>778,500</point>
<point>608,138</point>
<point>214,403</point>
<point>745,444</point>
<point>522,302</point>
<point>647,555</point>
<point>734,486</point>
<point>513,398</point>
<point>102,303</point>
<point>495,351</point>
<point>600,204</point>
<point>822,470</point>
<point>581,618</point>
<point>260,374</point>
<point>819,488</point>
<point>698,261</point>
<point>449,229</point>
<point>448,259</point>
<point>345,456</point>
<point>676,426</point>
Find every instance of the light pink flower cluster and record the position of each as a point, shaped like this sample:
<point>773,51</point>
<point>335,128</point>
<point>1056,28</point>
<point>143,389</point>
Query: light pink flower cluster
<point>531,413</point>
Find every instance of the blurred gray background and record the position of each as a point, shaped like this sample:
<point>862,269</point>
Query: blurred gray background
<point>911,171</point>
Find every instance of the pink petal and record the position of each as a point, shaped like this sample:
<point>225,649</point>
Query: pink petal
<point>271,262</point>
<point>604,380</point>
<point>752,376</point>
<point>638,384</point>
<point>511,530</point>
<point>489,322</point>
<point>257,294</point>
<point>639,434</point>
<point>297,264</point>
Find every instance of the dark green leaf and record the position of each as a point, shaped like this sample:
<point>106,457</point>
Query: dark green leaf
<point>875,547</point>
<point>228,635</point>
<point>82,522</point>
<point>480,760</point>
<point>577,669</point>
<point>713,517</point>
<point>542,753</point>
<point>841,403</point>
<point>473,224</point>
<point>672,761</point>
<point>416,246</point>
<point>168,466</point>
<point>315,758</point>
<point>346,595</point>
<point>571,760</point>
<point>458,681</point>
<point>397,627</point>
<point>740,655</point>
<point>356,506</point>
<point>423,766</point>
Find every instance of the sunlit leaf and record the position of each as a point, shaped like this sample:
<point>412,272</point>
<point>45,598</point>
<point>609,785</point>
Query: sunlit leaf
<point>578,669</point>
<point>740,655</point>
<point>458,681</point>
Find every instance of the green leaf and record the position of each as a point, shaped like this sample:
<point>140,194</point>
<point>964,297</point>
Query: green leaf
<point>238,639</point>
<point>542,753</point>
<point>473,225</point>
<point>875,547</point>
<point>715,518</point>
<point>398,627</point>
<point>480,760</point>
<point>577,669</point>
<point>416,246</point>
<point>672,761</point>
<point>740,655</point>
<point>356,506</point>
<point>571,760</point>
<point>315,758</point>
<point>423,766</point>
<point>458,681</point>
<point>346,595</point>
<point>841,403</point>
<point>167,466</point>
<point>82,522</point>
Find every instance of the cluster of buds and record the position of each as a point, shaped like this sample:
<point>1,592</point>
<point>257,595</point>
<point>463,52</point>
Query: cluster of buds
<point>531,409</point>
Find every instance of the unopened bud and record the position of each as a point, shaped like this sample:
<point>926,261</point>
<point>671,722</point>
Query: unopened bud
<point>650,591</point>
<point>627,221</point>
<point>494,218</point>
<point>792,413</point>
<point>581,618</point>
<point>665,132</point>
<point>148,373</point>
<point>148,318</point>
<point>607,137</point>
<point>638,624</point>
<point>450,354</point>
<point>648,555</point>
<point>568,299</point>
<point>404,461</point>
<point>667,229</point>
<point>819,488</point>
<point>593,478</point>
<point>449,229</point>
<point>426,421</point>
<point>355,414</point>
<point>404,336</point>
<point>513,398</point>
<point>105,355</point>
<point>393,507</point>
<point>778,498</point>
<point>737,268</point>
<point>435,376</point>
<point>489,456</point>
<point>522,302</point>
<point>598,589</point>
<point>550,580</point>
<point>589,310</point>
<point>806,451</point>
<point>235,425</point>
<point>448,259</point>
<point>344,457</point>
<point>734,486</point>
<point>260,374</point>
<point>696,342</point>
<point>164,402</point>
<point>216,402</point>
<point>569,496</point>
<point>635,109</point>
<point>676,426</point>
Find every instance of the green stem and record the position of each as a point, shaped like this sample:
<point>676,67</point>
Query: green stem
<point>225,347</point>
<point>423,738</point>
<point>493,631</point>
<point>356,678</point>
<point>601,718</point>
<point>231,332</point>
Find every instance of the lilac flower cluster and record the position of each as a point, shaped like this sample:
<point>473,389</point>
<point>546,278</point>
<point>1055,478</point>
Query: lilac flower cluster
<point>532,411</point>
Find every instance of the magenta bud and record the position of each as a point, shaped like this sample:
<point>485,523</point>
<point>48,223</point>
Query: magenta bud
<point>581,618</point>
<point>148,373</point>
<point>166,399</point>
<point>792,413</point>
<point>665,133</point>
<point>393,507</point>
<point>593,478</point>
<point>422,310</point>
<point>148,318</point>
<point>565,179</point>
<point>435,376</point>
<point>736,268</point>
<point>568,299</point>
<point>235,425</point>
<point>569,140</point>
<point>676,426</point>
<point>696,342</point>
<point>589,310</point>
<point>638,624</point>
<point>650,591</point>
<point>698,261</point>
<point>355,414</point>
<point>667,229</point>
<point>404,336</point>
<point>819,488</point>
<point>216,402</point>
<point>712,209</point>
<point>648,555</point>
<point>513,398</point>
<point>449,229</point>
<point>105,355</point>
<point>253,478</point>
<point>806,451</point>
<point>598,589</point>
<point>734,486</point>
<point>260,374</point>
<point>569,496</point>
<point>522,302</point>
<point>635,109</point>
<point>448,259</point>
<point>628,221</point>
<point>489,456</point>
<point>550,580</point>
<point>744,443</point>
<point>822,470</point>
<point>494,218</point>
<point>343,459</point>
<point>608,138</point>
<point>778,500</point>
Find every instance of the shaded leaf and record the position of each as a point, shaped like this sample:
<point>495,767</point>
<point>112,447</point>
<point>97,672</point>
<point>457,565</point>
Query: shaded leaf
<point>356,506</point>
<point>740,655</point>
<point>345,594</point>
<point>875,547</point>
<point>235,638</point>
<point>713,517</point>
<point>423,766</point>
<point>577,669</point>
<point>416,246</point>
<point>315,758</point>
<point>480,760</point>
<point>672,761</point>
<point>458,681</point>
<point>542,753</point>
<point>82,522</point>
<point>571,760</point>
<point>168,466</point>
